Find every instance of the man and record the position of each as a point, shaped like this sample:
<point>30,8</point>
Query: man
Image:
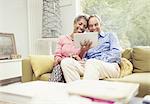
<point>100,62</point>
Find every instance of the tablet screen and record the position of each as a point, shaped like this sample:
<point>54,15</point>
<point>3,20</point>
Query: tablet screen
<point>81,37</point>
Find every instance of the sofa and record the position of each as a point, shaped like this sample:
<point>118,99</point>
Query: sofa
<point>135,68</point>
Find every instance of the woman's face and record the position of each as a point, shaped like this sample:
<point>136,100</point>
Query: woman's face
<point>80,26</point>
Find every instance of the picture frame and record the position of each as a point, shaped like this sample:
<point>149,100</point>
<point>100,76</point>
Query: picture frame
<point>7,45</point>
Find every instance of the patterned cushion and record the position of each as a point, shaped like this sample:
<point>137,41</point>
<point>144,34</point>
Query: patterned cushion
<point>57,74</point>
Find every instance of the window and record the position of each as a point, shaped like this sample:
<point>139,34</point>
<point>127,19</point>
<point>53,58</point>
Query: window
<point>128,18</point>
<point>51,22</point>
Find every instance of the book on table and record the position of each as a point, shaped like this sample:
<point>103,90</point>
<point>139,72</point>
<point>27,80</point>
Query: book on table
<point>104,90</point>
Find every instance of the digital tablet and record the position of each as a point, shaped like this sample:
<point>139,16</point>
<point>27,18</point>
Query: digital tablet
<point>81,37</point>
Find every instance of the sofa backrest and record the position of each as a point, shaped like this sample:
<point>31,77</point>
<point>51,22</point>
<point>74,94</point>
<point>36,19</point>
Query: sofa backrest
<point>140,58</point>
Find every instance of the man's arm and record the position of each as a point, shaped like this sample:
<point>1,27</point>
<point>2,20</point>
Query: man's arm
<point>114,54</point>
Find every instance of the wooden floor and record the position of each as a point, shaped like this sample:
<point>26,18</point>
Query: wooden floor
<point>1,102</point>
<point>9,81</point>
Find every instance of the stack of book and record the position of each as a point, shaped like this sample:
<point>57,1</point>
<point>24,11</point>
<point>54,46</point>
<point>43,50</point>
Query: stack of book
<point>104,91</point>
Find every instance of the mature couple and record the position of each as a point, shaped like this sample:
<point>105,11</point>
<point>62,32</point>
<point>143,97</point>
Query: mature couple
<point>92,63</point>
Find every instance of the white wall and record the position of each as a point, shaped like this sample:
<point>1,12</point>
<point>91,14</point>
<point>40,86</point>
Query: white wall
<point>34,24</point>
<point>68,13</point>
<point>69,10</point>
<point>13,19</point>
<point>24,19</point>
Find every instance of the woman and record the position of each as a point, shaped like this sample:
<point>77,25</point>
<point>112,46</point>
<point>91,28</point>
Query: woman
<point>66,48</point>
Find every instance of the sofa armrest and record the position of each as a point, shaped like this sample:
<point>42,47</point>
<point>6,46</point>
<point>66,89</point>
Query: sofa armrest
<point>27,72</point>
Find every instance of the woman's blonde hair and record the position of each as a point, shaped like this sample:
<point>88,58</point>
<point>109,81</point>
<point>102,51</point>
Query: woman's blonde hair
<point>79,17</point>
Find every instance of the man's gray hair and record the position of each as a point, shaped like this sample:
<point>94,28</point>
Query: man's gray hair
<point>94,15</point>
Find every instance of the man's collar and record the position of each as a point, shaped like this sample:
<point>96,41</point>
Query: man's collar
<point>102,34</point>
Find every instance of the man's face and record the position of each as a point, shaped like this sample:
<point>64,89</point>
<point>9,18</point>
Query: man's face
<point>94,25</point>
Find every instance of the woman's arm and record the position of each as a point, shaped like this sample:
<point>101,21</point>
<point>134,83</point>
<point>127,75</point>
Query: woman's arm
<point>58,55</point>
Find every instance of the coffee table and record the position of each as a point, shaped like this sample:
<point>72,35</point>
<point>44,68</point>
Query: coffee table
<point>136,100</point>
<point>42,92</point>
<point>35,92</point>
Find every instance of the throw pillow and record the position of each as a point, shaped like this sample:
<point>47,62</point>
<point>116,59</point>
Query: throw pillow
<point>41,64</point>
<point>126,67</point>
<point>127,53</point>
<point>141,59</point>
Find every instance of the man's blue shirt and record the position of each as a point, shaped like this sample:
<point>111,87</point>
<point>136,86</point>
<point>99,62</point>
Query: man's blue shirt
<point>108,48</point>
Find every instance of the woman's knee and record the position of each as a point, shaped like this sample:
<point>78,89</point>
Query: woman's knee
<point>66,62</point>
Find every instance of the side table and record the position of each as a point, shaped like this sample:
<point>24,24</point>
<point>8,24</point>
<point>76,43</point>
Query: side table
<point>10,71</point>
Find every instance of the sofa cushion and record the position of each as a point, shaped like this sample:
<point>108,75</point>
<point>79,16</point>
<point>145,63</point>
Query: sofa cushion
<point>126,67</point>
<point>41,64</point>
<point>127,53</point>
<point>141,59</point>
<point>141,78</point>
<point>45,77</point>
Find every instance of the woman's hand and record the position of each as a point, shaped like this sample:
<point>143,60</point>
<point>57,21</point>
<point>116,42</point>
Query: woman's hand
<point>76,57</point>
<point>56,62</point>
<point>85,46</point>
